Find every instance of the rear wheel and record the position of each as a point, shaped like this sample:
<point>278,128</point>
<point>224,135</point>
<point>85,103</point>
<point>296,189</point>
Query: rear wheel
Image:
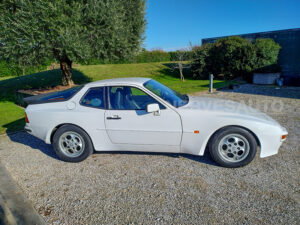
<point>233,147</point>
<point>72,144</point>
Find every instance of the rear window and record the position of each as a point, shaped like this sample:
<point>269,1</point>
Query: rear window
<point>62,95</point>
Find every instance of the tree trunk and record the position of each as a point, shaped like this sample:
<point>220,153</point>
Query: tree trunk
<point>180,70</point>
<point>66,72</point>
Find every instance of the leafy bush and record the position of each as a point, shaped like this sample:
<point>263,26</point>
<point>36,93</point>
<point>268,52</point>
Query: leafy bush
<point>232,57</point>
<point>9,69</point>
<point>267,51</point>
<point>149,56</point>
<point>235,56</point>
<point>199,65</point>
<point>152,56</point>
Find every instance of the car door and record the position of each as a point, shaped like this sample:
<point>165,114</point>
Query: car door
<point>127,121</point>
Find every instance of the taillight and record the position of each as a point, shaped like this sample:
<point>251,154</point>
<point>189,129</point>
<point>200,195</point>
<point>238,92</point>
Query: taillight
<point>26,118</point>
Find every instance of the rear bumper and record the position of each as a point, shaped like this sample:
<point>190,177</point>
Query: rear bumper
<point>34,132</point>
<point>27,128</point>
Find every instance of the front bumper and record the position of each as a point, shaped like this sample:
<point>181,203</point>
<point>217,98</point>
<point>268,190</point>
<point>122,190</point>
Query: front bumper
<point>284,133</point>
<point>271,140</point>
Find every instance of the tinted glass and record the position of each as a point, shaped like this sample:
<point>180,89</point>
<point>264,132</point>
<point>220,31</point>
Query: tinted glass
<point>94,98</point>
<point>61,95</point>
<point>129,98</point>
<point>167,94</point>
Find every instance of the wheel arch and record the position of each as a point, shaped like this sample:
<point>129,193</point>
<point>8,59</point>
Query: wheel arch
<point>225,127</point>
<point>60,125</point>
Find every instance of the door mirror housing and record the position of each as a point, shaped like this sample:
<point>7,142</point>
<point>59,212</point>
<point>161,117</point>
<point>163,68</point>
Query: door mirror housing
<point>153,108</point>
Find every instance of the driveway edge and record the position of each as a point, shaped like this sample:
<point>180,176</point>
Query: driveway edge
<point>15,208</point>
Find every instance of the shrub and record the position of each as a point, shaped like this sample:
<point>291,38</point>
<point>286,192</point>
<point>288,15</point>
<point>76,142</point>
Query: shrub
<point>232,56</point>
<point>199,65</point>
<point>267,51</point>
<point>152,56</point>
<point>149,56</point>
<point>7,70</point>
<point>10,69</point>
<point>235,56</point>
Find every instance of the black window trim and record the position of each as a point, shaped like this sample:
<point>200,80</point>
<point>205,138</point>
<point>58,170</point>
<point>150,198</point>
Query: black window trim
<point>95,107</point>
<point>115,85</point>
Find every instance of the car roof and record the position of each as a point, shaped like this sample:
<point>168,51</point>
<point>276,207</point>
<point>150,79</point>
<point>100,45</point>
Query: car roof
<point>119,81</point>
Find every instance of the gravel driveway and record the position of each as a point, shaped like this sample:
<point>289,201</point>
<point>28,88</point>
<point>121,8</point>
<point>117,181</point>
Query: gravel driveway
<point>141,188</point>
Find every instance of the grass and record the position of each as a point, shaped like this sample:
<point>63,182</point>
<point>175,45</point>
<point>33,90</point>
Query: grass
<point>12,116</point>
<point>158,71</point>
<point>6,78</point>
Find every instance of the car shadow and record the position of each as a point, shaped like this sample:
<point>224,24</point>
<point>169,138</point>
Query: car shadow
<point>35,143</point>
<point>26,139</point>
<point>206,158</point>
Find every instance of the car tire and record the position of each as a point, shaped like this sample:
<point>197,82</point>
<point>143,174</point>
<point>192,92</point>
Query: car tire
<point>72,144</point>
<point>233,147</point>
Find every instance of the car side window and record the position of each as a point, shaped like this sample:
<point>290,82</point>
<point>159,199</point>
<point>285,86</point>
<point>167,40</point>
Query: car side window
<point>129,98</point>
<point>94,97</point>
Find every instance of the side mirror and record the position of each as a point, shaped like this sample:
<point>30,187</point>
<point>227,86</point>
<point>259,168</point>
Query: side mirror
<point>153,108</point>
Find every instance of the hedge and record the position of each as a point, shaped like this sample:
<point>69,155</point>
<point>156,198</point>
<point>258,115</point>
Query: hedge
<point>235,56</point>
<point>9,69</point>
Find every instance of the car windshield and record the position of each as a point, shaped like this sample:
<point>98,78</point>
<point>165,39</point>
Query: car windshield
<point>174,98</point>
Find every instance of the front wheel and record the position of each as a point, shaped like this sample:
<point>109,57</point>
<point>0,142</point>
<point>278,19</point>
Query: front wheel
<point>72,144</point>
<point>233,147</point>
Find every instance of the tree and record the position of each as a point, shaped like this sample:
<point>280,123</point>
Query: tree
<point>180,56</point>
<point>231,57</point>
<point>68,31</point>
<point>180,66</point>
<point>267,51</point>
<point>199,64</point>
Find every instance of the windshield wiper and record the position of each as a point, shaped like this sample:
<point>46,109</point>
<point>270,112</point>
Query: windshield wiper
<point>186,97</point>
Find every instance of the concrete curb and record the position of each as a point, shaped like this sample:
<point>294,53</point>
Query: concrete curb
<point>14,207</point>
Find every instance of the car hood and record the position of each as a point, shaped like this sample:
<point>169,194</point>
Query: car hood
<point>226,108</point>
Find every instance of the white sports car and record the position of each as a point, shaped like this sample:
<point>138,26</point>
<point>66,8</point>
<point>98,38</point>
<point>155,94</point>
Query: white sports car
<point>141,114</point>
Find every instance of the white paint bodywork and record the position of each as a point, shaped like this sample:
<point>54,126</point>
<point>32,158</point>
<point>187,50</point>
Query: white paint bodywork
<point>170,131</point>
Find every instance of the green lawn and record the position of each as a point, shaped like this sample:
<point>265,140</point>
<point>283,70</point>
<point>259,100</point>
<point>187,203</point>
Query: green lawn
<point>12,116</point>
<point>158,71</point>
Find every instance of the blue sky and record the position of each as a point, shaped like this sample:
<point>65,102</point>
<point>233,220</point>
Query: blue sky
<point>172,24</point>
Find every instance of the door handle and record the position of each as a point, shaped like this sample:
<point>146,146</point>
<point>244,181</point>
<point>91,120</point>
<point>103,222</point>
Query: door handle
<point>114,117</point>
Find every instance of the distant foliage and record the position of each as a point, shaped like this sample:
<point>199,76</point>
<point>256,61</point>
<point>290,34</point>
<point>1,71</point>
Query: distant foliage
<point>181,55</point>
<point>146,56</point>
<point>10,69</point>
<point>235,56</point>
<point>152,56</point>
